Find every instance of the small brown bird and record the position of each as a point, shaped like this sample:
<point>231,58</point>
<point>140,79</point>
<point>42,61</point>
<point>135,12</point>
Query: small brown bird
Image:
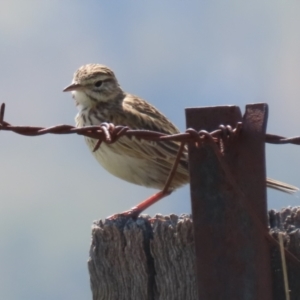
<point>99,98</point>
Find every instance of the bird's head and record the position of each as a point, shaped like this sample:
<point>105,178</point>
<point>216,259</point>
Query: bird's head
<point>94,83</point>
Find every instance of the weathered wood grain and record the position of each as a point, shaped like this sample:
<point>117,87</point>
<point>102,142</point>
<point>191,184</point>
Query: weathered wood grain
<point>154,258</point>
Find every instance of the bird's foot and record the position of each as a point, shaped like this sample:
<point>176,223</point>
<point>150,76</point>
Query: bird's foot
<point>135,211</point>
<point>132,213</point>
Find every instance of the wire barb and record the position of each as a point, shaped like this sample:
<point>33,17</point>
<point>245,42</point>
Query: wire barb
<point>2,112</point>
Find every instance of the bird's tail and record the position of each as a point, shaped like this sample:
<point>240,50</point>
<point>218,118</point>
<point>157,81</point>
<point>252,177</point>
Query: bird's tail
<point>281,186</point>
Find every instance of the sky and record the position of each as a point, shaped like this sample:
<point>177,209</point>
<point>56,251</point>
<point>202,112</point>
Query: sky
<point>173,54</point>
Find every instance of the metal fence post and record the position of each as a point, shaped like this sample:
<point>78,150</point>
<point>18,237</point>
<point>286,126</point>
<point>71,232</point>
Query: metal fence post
<point>233,258</point>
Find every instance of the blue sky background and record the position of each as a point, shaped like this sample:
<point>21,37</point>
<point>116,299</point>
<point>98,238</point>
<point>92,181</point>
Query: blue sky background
<point>175,54</point>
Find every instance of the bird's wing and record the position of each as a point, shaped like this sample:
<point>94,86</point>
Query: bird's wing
<point>138,114</point>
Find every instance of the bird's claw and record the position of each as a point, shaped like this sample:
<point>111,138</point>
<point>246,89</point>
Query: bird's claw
<point>132,213</point>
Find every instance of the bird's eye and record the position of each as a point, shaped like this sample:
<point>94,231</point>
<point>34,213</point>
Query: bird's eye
<point>98,83</point>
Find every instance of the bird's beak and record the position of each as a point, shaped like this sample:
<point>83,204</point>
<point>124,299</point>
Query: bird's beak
<point>72,87</point>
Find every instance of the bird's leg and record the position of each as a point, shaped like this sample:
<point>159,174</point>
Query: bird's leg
<point>135,211</point>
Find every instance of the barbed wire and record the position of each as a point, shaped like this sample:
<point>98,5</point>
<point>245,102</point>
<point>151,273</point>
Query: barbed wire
<point>109,133</point>
<point>280,140</point>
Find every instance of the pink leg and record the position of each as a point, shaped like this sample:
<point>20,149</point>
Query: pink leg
<point>135,211</point>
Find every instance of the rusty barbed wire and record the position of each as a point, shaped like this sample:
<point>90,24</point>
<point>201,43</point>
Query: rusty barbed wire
<point>280,140</point>
<point>109,133</point>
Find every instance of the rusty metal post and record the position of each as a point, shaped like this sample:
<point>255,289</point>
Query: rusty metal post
<point>233,258</point>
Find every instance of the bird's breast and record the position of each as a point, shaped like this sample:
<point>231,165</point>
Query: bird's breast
<point>138,162</point>
<point>135,170</point>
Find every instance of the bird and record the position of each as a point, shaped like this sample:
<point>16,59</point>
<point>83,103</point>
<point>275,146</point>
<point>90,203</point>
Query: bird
<point>99,98</point>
